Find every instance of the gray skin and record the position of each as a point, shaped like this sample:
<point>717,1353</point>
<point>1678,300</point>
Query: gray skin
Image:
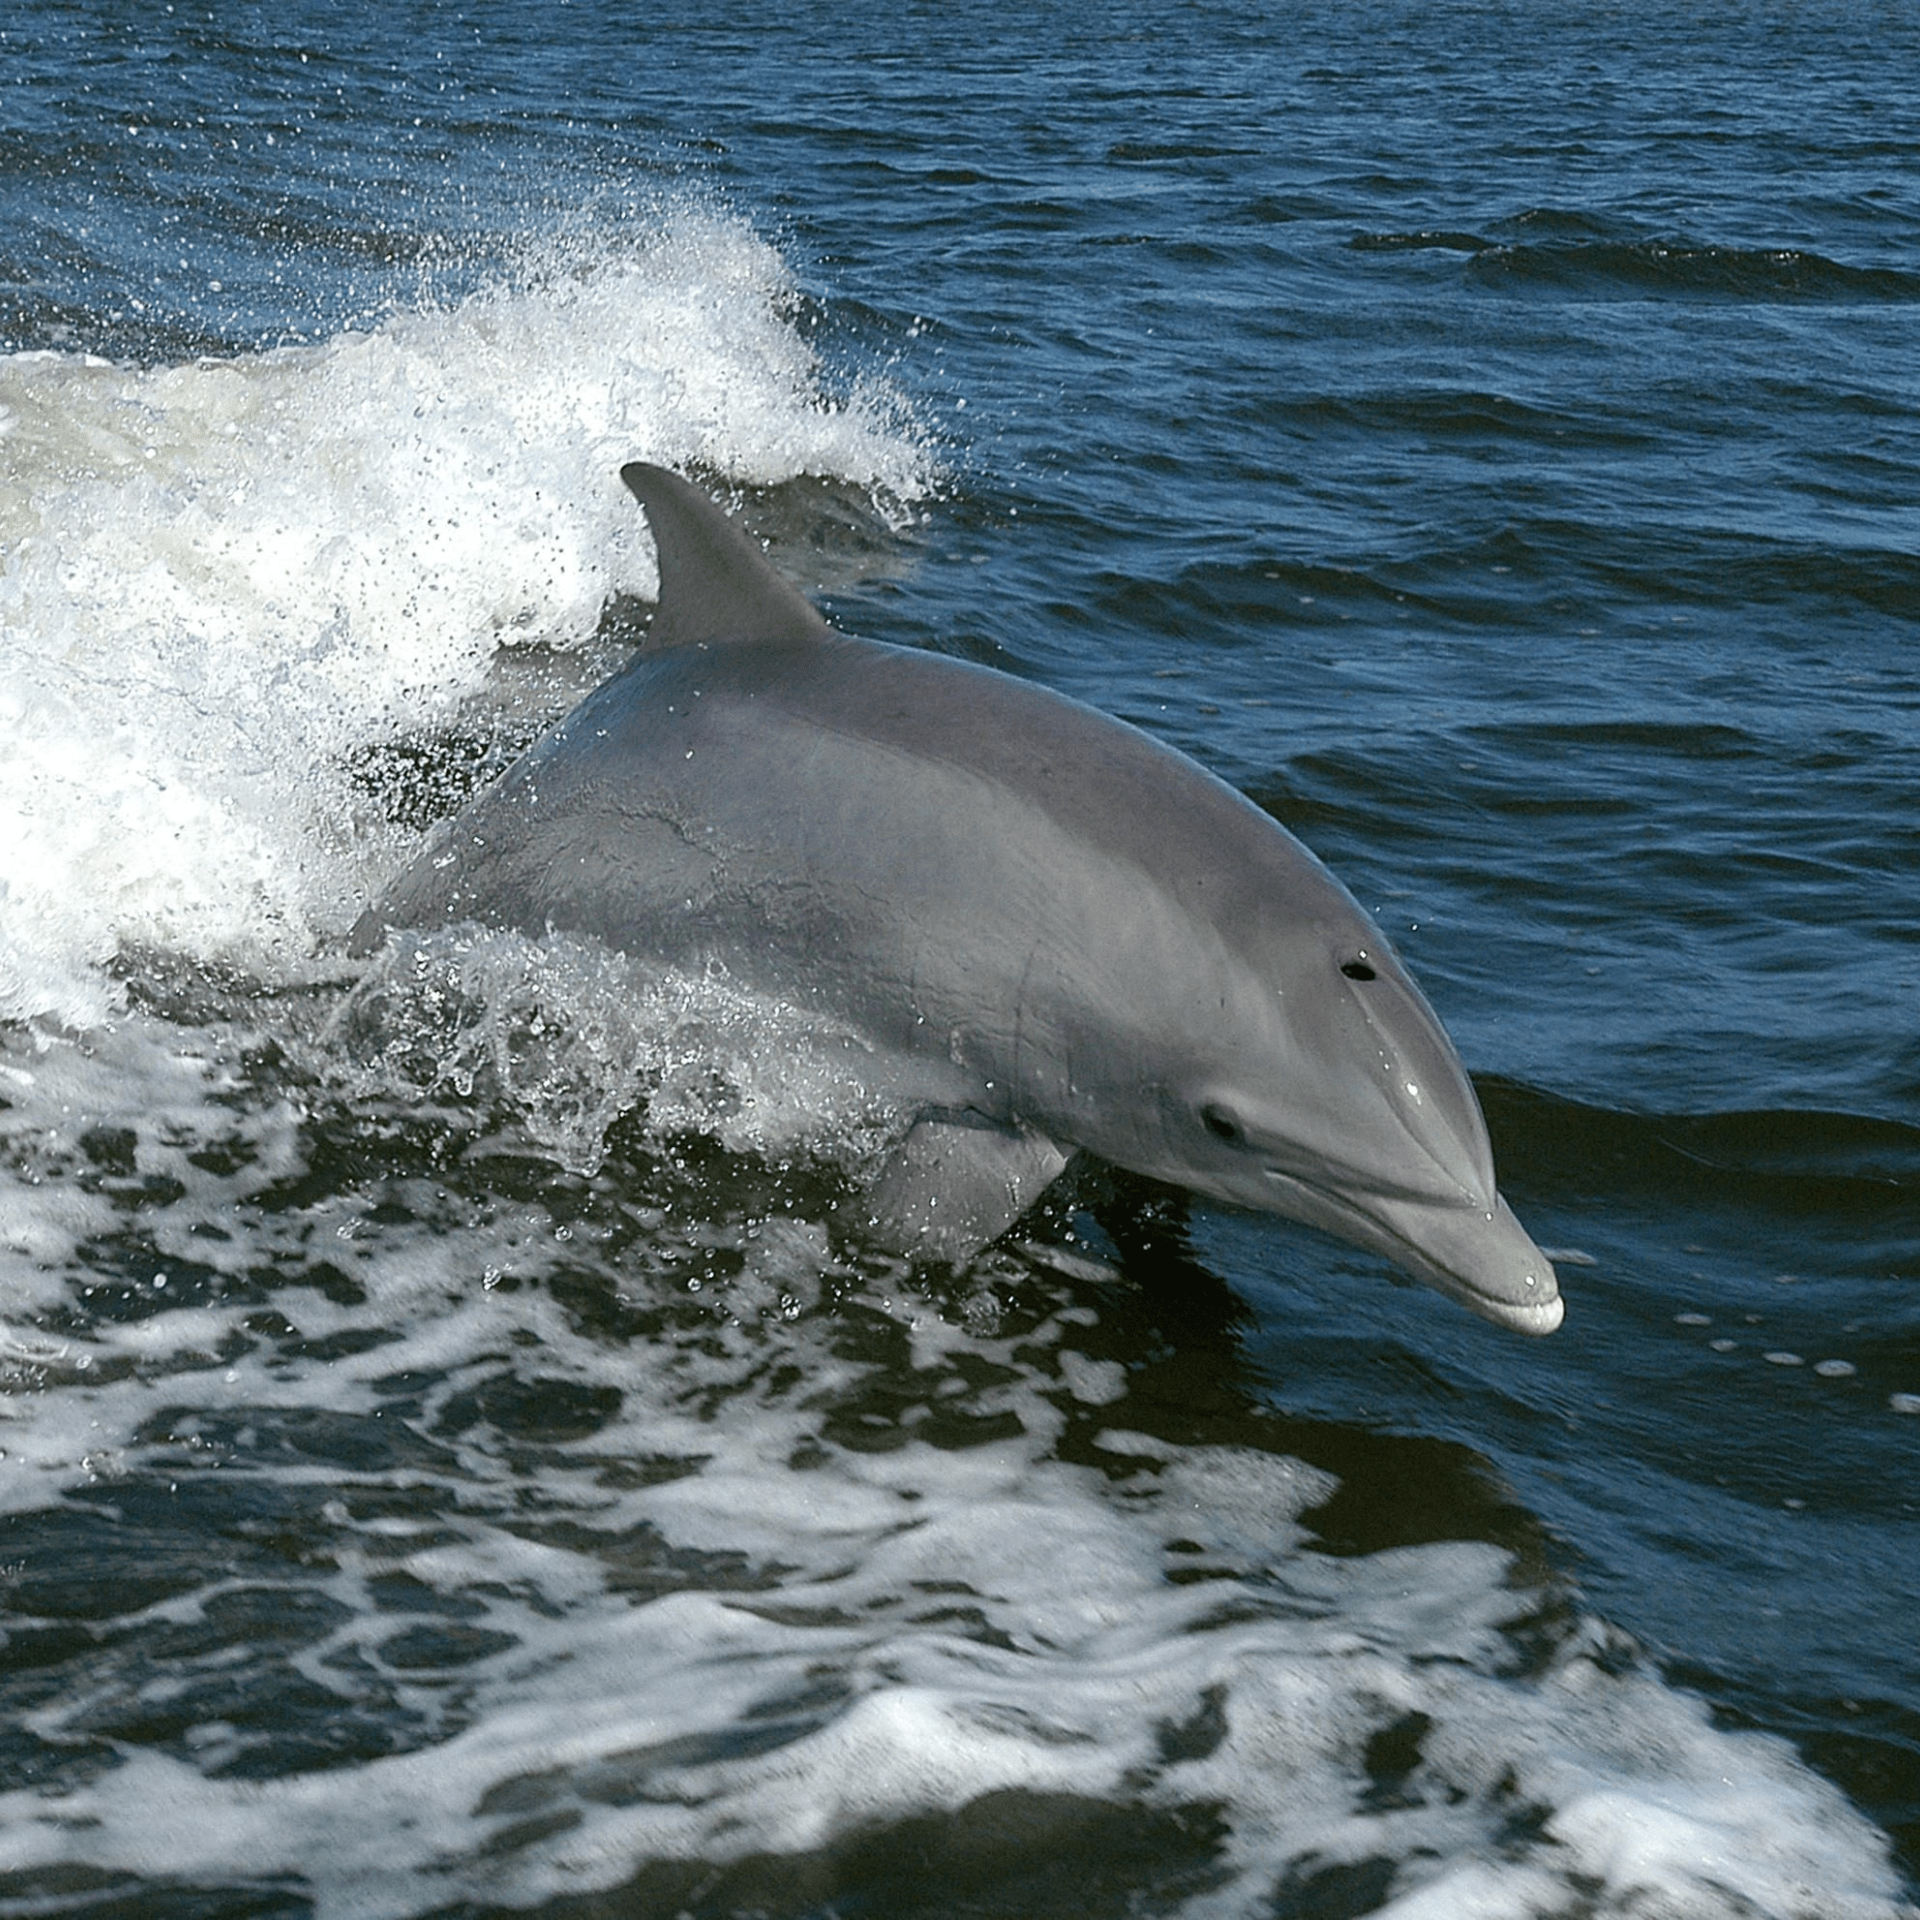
<point>1049,931</point>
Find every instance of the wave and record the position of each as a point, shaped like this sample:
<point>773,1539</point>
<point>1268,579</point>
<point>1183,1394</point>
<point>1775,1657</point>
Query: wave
<point>635,1550</point>
<point>1499,568</point>
<point>1684,269</point>
<point>227,578</point>
<point>1592,265</point>
<point>1782,1160</point>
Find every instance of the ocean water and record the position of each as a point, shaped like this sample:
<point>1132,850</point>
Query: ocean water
<point>448,1467</point>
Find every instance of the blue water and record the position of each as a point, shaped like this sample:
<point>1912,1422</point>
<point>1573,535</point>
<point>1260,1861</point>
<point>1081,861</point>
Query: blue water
<point>1488,436</point>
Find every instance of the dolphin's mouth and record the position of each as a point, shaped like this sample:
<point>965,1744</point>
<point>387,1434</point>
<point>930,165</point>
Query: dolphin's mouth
<point>1477,1255</point>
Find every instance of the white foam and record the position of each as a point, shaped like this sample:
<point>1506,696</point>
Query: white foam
<point>220,579</point>
<point>570,1036</point>
<point>786,1639</point>
<point>602,1743</point>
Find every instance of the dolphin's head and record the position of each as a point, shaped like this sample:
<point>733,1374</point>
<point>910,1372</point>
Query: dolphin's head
<point>1314,1081</point>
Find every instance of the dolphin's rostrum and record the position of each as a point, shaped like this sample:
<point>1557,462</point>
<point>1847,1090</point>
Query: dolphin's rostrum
<point>1052,931</point>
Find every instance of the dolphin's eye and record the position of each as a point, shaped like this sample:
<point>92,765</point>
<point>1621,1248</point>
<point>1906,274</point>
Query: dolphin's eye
<point>1222,1125</point>
<point>1358,968</point>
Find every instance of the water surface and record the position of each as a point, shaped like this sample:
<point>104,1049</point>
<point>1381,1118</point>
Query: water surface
<point>450,1463</point>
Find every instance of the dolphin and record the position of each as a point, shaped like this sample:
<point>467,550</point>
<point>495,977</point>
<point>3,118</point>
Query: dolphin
<point>1049,930</point>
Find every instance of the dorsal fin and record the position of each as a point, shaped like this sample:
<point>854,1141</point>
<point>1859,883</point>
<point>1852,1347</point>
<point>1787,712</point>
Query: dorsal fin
<point>715,584</point>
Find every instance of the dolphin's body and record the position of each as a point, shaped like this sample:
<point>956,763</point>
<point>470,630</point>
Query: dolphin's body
<point>1051,931</point>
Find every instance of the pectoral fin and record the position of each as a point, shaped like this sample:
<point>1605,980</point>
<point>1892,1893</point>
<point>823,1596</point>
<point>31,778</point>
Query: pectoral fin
<point>950,1187</point>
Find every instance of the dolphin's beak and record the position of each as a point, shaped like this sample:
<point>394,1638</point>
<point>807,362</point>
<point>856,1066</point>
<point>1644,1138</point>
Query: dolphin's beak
<point>1481,1256</point>
<point>1485,1260</point>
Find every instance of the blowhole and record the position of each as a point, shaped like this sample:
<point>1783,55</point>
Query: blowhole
<point>1358,968</point>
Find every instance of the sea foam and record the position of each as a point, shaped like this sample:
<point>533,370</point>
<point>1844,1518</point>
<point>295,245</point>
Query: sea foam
<point>224,579</point>
<point>593,1527</point>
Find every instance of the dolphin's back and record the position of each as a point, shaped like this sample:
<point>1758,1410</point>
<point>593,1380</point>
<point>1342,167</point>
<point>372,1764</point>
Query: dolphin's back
<point>844,814</point>
<point>836,816</point>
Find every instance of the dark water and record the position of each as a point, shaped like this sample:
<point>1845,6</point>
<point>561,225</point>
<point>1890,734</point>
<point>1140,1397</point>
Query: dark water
<point>1489,436</point>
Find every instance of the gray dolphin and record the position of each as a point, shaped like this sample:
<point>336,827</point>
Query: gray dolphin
<point>1051,931</point>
